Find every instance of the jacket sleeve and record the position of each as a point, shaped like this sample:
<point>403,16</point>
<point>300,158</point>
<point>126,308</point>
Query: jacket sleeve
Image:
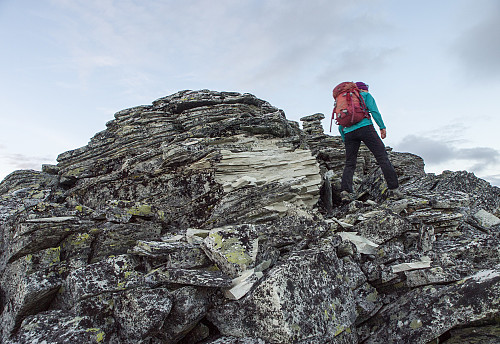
<point>373,109</point>
<point>341,131</point>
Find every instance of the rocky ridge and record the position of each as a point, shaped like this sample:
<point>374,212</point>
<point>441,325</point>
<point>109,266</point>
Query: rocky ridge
<point>208,217</point>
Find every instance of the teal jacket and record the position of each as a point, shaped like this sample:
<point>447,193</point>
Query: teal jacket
<point>372,109</point>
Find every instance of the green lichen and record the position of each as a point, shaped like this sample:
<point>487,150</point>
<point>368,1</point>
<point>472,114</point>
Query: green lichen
<point>217,239</point>
<point>74,172</point>
<point>80,239</point>
<point>100,335</point>
<point>330,312</point>
<point>38,195</point>
<point>231,249</point>
<point>372,297</point>
<point>383,189</point>
<point>238,256</point>
<point>339,330</point>
<point>399,285</point>
<point>140,210</point>
<point>415,324</point>
<point>54,255</point>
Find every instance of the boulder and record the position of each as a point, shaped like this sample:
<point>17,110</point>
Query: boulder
<point>141,313</point>
<point>304,297</point>
<point>424,314</point>
<point>60,327</point>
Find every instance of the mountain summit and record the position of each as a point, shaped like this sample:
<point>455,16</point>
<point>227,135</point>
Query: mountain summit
<point>208,217</point>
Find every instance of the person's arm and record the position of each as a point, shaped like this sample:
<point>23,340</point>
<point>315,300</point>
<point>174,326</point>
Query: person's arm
<point>341,131</point>
<point>373,109</point>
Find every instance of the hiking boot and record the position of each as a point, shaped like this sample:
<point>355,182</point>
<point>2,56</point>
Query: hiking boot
<point>346,196</point>
<point>395,194</point>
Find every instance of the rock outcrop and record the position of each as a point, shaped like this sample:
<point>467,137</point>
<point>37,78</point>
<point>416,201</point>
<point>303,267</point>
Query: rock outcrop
<point>208,217</point>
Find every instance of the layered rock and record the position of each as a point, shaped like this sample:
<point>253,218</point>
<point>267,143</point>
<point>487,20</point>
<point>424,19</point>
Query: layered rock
<point>208,217</point>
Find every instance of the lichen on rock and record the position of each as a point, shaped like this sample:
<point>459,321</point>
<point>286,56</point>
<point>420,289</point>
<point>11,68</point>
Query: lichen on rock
<point>208,217</point>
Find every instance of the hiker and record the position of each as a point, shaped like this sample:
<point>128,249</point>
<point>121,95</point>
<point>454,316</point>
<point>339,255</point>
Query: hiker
<point>364,131</point>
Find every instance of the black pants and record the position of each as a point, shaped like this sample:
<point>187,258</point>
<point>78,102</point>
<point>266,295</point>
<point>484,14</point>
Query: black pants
<point>369,136</point>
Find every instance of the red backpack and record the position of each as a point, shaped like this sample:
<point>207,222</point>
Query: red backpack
<point>350,108</point>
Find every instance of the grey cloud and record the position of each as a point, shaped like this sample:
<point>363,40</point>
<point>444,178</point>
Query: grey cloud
<point>493,179</point>
<point>434,152</point>
<point>252,41</point>
<point>357,60</point>
<point>21,161</point>
<point>478,48</point>
<point>479,153</point>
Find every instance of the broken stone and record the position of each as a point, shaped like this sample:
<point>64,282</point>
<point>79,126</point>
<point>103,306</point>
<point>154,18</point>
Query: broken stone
<point>39,328</point>
<point>28,286</point>
<point>418,278</point>
<point>363,245</point>
<point>203,278</point>
<point>424,263</point>
<point>140,313</point>
<point>271,311</point>
<point>486,219</point>
<point>424,313</point>
<point>107,276</point>
<point>190,305</point>
<point>234,249</point>
<point>242,284</point>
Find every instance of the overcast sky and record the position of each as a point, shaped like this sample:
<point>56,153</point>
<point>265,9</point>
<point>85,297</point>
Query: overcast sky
<point>433,66</point>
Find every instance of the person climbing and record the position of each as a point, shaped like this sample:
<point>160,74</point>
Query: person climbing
<point>364,131</point>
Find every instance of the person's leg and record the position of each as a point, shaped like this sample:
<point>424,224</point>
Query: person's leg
<point>352,144</point>
<point>376,146</point>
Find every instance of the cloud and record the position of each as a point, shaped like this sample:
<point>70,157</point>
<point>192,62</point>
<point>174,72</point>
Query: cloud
<point>478,47</point>
<point>16,161</point>
<point>493,179</point>
<point>248,42</point>
<point>358,60</point>
<point>432,151</point>
<point>439,152</point>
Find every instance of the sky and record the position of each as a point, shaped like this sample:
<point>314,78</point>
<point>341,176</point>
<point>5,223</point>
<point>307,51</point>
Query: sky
<point>433,66</point>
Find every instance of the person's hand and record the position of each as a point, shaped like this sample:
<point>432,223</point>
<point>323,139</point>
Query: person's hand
<point>383,133</point>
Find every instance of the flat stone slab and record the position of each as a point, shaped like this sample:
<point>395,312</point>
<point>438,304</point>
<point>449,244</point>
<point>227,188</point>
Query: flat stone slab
<point>54,219</point>
<point>486,219</point>
<point>159,248</point>
<point>202,278</point>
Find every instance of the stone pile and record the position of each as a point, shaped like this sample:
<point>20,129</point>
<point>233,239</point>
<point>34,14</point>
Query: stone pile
<point>312,124</point>
<point>208,217</point>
